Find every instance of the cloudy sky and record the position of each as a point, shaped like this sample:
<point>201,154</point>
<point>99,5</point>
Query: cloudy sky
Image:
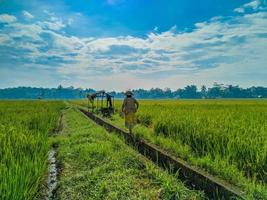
<point>126,44</point>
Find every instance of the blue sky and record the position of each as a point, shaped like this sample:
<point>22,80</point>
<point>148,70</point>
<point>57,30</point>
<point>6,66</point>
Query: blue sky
<point>126,44</point>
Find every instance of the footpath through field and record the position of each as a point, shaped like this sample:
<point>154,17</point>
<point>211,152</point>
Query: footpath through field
<point>98,165</point>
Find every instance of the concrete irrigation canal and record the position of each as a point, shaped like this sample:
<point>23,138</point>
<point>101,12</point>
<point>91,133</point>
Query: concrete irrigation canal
<point>53,167</point>
<point>52,175</point>
<point>193,177</point>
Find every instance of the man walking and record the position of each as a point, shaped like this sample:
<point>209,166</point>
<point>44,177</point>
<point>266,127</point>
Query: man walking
<point>129,107</point>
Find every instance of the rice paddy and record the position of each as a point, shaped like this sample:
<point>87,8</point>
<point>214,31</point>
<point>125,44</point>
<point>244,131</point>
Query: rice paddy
<point>228,138</point>
<point>235,131</point>
<point>93,164</point>
<point>24,129</point>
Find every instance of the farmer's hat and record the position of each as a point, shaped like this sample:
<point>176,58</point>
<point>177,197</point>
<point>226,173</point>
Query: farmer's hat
<point>128,93</point>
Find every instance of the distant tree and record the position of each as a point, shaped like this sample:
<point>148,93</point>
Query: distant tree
<point>42,94</point>
<point>60,87</point>
<point>70,88</point>
<point>215,91</point>
<point>203,91</point>
<point>190,91</point>
<point>168,93</point>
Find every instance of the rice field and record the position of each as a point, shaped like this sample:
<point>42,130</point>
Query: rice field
<point>235,131</point>
<point>228,138</point>
<point>99,165</point>
<point>24,129</point>
<point>94,164</point>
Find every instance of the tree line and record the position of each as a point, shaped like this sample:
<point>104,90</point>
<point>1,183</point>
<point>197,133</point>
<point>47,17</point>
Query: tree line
<point>189,92</point>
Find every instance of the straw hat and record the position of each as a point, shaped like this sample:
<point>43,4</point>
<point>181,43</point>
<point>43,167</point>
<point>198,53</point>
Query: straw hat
<point>128,93</point>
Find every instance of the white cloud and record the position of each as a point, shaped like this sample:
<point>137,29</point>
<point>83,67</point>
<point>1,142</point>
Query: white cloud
<point>24,31</point>
<point>4,39</point>
<point>53,25</point>
<point>27,15</point>
<point>5,18</point>
<point>53,22</point>
<point>255,5</point>
<point>70,21</point>
<point>231,49</point>
<point>214,43</point>
<point>49,13</point>
<point>239,10</point>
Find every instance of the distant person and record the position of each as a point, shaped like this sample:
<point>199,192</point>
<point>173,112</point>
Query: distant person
<point>129,107</point>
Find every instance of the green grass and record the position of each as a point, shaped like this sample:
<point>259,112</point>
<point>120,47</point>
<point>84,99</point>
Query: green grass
<point>228,138</point>
<point>99,165</point>
<point>24,128</point>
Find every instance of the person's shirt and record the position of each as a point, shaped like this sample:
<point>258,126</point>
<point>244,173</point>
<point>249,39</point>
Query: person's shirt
<point>130,105</point>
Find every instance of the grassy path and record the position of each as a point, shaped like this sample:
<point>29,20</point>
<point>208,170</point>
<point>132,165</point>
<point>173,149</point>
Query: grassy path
<point>98,165</point>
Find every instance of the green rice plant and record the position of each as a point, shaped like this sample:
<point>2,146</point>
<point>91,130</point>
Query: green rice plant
<point>235,132</point>
<point>228,138</point>
<point>24,128</point>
